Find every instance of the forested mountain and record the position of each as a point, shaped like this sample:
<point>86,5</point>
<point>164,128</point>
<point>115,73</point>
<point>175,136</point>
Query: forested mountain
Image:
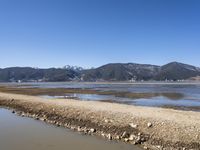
<point>108,72</point>
<point>132,71</point>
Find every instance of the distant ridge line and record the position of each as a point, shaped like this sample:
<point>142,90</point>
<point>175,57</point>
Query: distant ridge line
<point>172,71</point>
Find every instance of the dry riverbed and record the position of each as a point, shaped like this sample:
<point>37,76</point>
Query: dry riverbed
<point>150,128</point>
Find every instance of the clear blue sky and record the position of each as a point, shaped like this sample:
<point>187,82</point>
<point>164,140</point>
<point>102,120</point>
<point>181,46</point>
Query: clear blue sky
<point>46,33</point>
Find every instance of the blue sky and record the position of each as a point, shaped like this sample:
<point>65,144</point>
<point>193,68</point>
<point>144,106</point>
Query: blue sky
<point>90,33</point>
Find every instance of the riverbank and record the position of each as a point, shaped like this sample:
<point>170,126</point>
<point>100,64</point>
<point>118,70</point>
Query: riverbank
<point>153,128</point>
<point>22,133</point>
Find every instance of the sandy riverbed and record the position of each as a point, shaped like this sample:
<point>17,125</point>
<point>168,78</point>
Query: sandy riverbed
<point>169,129</point>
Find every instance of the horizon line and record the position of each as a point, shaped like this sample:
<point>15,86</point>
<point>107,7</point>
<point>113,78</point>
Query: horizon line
<point>57,67</point>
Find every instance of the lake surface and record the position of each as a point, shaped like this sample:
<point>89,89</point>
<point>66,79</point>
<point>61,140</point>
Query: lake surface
<point>17,133</point>
<point>177,95</point>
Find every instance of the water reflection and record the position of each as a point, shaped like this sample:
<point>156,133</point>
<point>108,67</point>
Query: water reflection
<point>17,133</point>
<point>171,100</point>
<point>147,94</point>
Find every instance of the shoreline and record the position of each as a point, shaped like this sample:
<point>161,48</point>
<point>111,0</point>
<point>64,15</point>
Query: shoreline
<point>48,91</point>
<point>151,128</point>
<point>189,82</point>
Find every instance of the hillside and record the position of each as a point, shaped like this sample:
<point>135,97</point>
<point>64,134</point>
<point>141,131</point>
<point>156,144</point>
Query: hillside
<point>132,71</point>
<point>177,71</point>
<point>121,72</point>
<point>34,74</point>
<point>108,72</point>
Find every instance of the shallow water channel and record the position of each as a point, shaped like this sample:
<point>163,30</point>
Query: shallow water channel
<point>181,96</point>
<point>21,133</point>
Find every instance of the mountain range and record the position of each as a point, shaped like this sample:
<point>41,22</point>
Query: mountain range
<point>109,72</point>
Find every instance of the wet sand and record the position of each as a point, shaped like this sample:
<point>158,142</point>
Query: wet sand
<point>17,133</point>
<point>153,128</point>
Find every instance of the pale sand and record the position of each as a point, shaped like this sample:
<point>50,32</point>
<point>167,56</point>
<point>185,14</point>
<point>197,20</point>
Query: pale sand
<point>170,128</point>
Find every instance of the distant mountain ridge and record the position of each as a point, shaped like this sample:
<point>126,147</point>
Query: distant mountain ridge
<point>121,72</point>
<point>177,71</point>
<point>137,72</point>
<point>109,72</point>
<point>25,74</point>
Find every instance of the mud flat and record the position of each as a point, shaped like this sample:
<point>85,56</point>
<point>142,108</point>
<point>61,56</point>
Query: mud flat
<point>150,128</point>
